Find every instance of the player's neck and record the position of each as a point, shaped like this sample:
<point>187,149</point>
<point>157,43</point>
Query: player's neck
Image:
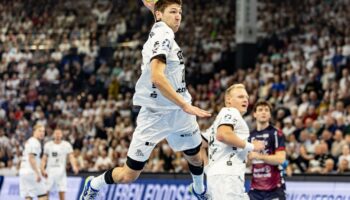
<point>57,141</point>
<point>262,125</point>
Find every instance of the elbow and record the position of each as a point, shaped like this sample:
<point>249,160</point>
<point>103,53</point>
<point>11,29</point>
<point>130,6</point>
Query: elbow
<point>156,80</point>
<point>220,137</point>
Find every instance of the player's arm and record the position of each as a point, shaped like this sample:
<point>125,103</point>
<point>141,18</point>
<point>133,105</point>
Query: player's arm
<point>43,165</point>
<point>275,159</point>
<point>163,85</point>
<point>34,166</point>
<point>225,134</point>
<point>74,163</point>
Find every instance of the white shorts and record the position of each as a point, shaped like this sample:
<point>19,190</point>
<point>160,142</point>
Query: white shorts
<point>29,187</point>
<point>56,181</point>
<point>226,187</point>
<point>177,127</point>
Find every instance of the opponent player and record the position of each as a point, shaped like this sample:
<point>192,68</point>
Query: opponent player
<point>31,183</point>
<point>166,111</point>
<point>267,179</point>
<point>54,159</point>
<point>228,147</point>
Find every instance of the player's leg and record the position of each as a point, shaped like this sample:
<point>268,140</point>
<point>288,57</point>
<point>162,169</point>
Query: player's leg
<point>50,181</point>
<point>185,136</point>
<point>41,190</point>
<point>27,186</point>
<point>62,185</point>
<point>148,133</point>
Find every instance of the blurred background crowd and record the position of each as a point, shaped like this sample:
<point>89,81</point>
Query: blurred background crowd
<point>74,65</point>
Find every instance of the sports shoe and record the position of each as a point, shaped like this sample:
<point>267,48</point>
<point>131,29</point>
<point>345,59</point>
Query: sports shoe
<point>88,192</point>
<point>202,196</point>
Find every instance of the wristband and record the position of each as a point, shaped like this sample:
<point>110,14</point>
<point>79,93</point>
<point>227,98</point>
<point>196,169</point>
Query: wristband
<point>249,147</point>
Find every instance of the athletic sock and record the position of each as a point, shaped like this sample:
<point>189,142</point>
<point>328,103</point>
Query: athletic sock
<point>198,183</point>
<point>197,177</point>
<point>104,179</point>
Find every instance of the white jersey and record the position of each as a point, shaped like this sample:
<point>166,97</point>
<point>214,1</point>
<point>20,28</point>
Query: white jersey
<point>57,155</point>
<point>225,159</point>
<point>161,42</point>
<point>32,146</point>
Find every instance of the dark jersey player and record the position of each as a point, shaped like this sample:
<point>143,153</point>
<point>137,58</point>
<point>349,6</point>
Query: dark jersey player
<point>267,172</point>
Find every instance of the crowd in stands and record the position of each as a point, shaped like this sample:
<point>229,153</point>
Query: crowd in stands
<point>74,66</point>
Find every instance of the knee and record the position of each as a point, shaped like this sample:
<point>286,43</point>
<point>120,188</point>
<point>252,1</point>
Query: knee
<point>195,160</point>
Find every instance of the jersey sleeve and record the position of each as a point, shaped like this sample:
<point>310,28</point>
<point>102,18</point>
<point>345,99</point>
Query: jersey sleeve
<point>161,41</point>
<point>46,149</point>
<point>69,148</point>
<point>229,116</point>
<point>33,147</point>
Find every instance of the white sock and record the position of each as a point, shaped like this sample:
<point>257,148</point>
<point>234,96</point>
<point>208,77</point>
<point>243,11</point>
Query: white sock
<point>98,182</point>
<point>198,183</point>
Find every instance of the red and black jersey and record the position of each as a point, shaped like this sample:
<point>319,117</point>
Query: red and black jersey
<point>266,176</point>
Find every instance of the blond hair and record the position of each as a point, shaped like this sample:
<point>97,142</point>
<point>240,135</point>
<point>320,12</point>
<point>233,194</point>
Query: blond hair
<point>37,126</point>
<point>234,86</point>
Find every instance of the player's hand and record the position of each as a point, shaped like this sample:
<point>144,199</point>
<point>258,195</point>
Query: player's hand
<point>44,173</point>
<point>75,170</point>
<point>253,155</point>
<point>38,178</point>
<point>149,4</point>
<point>258,145</point>
<point>193,110</point>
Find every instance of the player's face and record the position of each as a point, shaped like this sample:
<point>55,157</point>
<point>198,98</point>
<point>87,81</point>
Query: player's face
<point>238,99</point>
<point>58,134</point>
<point>40,132</point>
<point>262,114</point>
<point>171,16</point>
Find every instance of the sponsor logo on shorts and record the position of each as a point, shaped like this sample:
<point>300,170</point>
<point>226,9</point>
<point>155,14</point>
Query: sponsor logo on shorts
<point>189,134</point>
<point>139,153</point>
<point>150,143</point>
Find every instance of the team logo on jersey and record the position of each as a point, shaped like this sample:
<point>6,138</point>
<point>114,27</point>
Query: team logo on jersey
<point>228,117</point>
<point>155,47</point>
<point>166,44</point>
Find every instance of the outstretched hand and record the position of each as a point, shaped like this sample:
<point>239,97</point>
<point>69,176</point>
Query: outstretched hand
<point>149,4</point>
<point>193,110</point>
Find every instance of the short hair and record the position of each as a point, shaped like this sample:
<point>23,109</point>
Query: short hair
<point>234,86</point>
<point>262,103</point>
<point>162,4</point>
<point>37,126</point>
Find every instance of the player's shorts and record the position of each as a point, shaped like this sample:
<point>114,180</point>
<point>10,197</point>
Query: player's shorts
<point>226,187</point>
<point>29,187</point>
<point>56,181</point>
<point>275,194</point>
<point>177,127</point>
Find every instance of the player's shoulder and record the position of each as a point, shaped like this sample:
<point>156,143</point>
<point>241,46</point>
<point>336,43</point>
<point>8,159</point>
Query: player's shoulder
<point>33,141</point>
<point>162,28</point>
<point>48,145</point>
<point>66,144</point>
<point>230,110</point>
